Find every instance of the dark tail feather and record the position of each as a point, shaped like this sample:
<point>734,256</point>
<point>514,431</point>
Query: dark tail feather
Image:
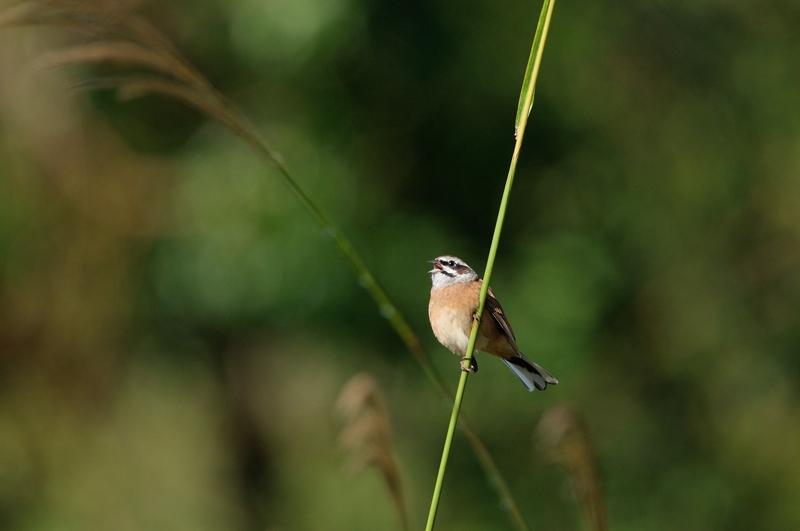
<point>533,376</point>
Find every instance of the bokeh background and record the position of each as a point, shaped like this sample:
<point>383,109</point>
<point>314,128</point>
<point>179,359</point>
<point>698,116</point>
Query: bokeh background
<point>174,332</point>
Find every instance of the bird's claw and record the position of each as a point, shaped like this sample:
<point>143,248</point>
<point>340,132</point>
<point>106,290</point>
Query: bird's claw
<point>469,365</point>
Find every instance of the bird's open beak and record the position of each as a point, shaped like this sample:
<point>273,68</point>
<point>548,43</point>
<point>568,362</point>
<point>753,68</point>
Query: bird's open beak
<point>436,266</point>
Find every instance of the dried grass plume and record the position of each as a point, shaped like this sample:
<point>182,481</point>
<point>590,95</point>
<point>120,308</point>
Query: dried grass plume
<point>562,435</point>
<point>367,437</point>
<point>148,63</point>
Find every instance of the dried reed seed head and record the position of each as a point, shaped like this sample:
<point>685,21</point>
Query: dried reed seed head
<point>366,436</point>
<point>562,435</point>
<point>128,40</point>
<point>359,392</point>
<point>366,421</point>
<point>554,425</point>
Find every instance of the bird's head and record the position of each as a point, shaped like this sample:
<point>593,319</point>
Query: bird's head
<point>449,270</point>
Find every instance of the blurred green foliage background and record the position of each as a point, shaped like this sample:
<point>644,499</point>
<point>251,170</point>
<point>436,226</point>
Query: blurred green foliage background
<point>174,332</point>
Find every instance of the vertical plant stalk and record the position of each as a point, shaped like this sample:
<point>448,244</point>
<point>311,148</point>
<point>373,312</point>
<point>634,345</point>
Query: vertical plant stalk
<point>523,111</point>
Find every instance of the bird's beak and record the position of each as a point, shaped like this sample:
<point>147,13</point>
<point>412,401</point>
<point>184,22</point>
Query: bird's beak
<point>436,266</point>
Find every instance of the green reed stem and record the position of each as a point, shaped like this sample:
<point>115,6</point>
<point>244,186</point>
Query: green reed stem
<point>448,442</point>
<point>523,111</point>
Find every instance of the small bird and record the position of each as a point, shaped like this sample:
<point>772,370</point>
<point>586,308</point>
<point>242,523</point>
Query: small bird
<point>455,295</point>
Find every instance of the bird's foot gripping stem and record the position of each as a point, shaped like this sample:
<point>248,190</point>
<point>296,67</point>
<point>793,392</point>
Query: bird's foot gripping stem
<point>469,365</point>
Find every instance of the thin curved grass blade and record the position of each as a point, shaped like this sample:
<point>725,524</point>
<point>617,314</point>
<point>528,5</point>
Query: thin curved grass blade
<point>534,61</point>
<point>120,52</point>
<point>100,19</point>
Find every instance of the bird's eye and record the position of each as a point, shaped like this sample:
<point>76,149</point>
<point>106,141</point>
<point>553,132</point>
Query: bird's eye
<point>451,263</point>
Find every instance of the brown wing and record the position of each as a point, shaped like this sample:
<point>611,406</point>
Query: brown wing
<point>493,307</point>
